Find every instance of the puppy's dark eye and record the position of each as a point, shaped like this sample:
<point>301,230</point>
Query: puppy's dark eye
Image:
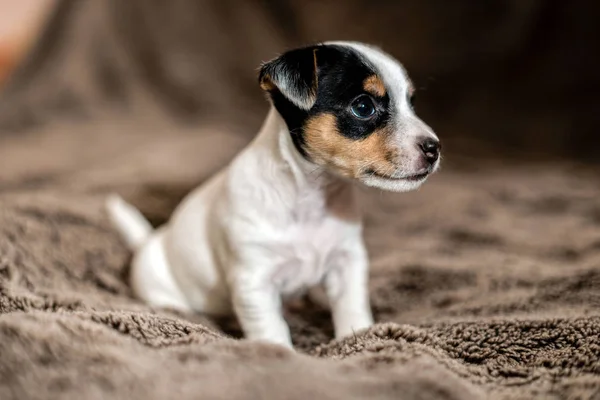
<point>411,99</point>
<point>363,107</point>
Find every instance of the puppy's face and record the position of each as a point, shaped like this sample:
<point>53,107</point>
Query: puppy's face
<point>349,108</point>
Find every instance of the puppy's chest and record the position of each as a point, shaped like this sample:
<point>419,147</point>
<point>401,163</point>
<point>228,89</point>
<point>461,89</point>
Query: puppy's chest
<point>305,253</point>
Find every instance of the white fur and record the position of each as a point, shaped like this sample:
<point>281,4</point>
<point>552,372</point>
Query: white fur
<point>134,228</point>
<point>261,229</point>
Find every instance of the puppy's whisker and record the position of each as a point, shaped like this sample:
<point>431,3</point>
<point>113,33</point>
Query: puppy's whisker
<point>391,171</point>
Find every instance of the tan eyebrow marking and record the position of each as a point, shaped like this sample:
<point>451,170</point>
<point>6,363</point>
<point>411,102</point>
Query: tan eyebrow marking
<point>374,85</point>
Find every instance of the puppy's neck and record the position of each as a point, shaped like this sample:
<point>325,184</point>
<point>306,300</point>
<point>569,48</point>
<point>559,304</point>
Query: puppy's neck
<point>275,137</point>
<point>308,179</point>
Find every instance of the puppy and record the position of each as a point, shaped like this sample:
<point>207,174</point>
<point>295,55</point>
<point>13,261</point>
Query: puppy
<point>283,217</point>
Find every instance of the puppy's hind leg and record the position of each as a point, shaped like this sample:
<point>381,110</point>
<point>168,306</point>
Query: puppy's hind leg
<point>151,277</point>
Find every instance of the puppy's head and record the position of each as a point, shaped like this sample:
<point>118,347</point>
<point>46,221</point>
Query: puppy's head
<point>349,108</point>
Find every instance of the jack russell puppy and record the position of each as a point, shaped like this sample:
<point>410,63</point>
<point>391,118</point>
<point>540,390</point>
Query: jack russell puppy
<point>283,216</point>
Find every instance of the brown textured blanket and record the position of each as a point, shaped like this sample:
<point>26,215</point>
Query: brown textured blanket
<point>484,284</point>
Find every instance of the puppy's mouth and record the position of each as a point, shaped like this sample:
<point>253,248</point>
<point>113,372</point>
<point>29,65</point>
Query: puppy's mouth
<point>411,178</point>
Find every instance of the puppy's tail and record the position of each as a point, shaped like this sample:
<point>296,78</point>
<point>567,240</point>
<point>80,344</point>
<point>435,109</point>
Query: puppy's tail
<point>129,221</point>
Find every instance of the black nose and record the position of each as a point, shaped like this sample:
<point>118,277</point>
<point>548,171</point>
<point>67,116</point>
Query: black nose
<point>431,149</point>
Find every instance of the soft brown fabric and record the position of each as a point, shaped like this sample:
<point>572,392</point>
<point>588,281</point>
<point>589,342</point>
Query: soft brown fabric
<point>485,283</point>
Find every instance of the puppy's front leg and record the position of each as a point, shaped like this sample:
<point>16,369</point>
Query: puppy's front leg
<point>347,289</point>
<point>257,305</point>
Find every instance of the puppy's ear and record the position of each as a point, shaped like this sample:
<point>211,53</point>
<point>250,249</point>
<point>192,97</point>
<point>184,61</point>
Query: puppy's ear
<point>294,75</point>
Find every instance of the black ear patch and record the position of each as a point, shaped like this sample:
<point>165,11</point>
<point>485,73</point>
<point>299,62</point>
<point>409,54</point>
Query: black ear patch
<point>294,75</point>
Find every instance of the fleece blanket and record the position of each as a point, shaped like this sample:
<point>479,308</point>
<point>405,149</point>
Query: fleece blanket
<point>484,284</point>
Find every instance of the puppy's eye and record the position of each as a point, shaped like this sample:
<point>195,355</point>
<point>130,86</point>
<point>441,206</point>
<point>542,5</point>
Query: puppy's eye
<point>411,99</point>
<point>363,107</point>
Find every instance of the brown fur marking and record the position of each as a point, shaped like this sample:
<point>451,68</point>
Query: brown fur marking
<point>374,85</point>
<point>315,76</point>
<point>351,158</point>
<point>267,84</point>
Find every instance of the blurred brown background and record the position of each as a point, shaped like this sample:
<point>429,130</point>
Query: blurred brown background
<point>490,273</point>
<point>500,77</point>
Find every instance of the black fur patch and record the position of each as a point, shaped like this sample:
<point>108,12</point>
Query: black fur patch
<point>341,72</point>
